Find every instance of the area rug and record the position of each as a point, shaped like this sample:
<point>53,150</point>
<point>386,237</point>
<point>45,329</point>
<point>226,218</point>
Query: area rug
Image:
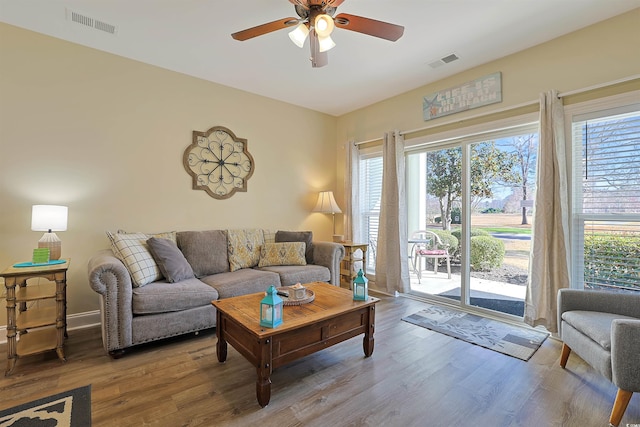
<point>498,336</point>
<point>67,409</point>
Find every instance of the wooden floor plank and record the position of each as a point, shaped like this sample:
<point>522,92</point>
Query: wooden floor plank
<point>415,377</point>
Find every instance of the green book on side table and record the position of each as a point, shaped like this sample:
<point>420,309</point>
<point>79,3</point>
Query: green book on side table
<point>41,256</point>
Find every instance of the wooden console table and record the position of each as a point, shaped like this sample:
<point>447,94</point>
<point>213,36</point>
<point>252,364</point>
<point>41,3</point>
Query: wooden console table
<point>40,329</point>
<point>347,273</point>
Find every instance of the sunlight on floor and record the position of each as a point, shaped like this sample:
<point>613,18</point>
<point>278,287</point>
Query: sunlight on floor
<point>438,283</point>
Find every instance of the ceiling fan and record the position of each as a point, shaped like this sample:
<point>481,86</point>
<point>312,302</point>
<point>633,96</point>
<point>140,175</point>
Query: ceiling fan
<point>315,20</point>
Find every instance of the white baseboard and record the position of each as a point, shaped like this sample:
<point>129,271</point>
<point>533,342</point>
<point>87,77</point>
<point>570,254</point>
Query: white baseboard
<point>74,321</point>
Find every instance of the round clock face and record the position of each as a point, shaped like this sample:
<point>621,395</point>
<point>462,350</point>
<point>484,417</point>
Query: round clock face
<point>218,162</point>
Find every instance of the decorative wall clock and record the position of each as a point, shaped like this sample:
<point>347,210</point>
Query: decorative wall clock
<point>218,162</point>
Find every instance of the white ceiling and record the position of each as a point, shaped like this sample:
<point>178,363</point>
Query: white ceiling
<point>193,37</point>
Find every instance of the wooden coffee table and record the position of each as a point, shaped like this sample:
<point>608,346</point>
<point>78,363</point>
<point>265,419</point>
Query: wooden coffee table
<point>332,317</point>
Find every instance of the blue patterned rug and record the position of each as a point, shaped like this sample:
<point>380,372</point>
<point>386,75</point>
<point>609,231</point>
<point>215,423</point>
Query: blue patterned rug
<point>68,409</point>
<point>515,341</point>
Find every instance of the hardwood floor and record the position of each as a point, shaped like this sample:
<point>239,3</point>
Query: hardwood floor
<point>415,377</point>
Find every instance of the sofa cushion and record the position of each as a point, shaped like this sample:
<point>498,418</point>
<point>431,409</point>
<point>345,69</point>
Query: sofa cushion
<point>133,251</point>
<point>162,297</point>
<point>292,274</point>
<point>594,324</point>
<point>298,236</point>
<point>172,263</point>
<point>242,282</point>
<point>286,253</point>
<point>244,248</point>
<point>206,251</point>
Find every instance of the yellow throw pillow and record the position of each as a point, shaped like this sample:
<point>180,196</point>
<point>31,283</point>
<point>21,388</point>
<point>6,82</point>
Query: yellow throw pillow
<point>286,253</point>
<point>244,248</point>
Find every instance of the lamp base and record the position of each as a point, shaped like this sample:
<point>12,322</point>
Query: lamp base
<point>53,243</point>
<point>338,238</point>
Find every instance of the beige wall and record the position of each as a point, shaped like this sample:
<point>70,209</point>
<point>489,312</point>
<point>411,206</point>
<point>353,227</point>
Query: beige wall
<point>105,135</point>
<point>601,53</point>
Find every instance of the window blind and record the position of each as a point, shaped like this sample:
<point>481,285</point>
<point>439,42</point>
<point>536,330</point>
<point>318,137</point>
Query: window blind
<point>370,188</point>
<point>607,199</point>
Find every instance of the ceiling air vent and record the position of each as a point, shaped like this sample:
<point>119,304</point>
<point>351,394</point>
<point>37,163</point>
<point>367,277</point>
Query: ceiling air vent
<point>442,61</point>
<point>85,20</point>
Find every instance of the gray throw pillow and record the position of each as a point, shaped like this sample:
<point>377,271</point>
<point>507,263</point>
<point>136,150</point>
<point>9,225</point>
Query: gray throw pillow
<point>173,265</point>
<point>298,236</point>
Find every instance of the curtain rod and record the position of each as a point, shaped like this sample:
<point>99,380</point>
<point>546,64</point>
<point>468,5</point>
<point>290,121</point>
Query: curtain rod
<point>450,122</point>
<point>599,86</point>
<point>513,107</point>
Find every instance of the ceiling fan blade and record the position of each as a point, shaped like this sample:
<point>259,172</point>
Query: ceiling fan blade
<point>318,59</point>
<point>321,3</point>
<point>259,30</point>
<point>369,26</point>
<point>303,3</point>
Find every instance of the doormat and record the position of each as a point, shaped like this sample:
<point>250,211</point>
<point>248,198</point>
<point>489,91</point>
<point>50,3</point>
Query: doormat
<point>67,409</point>
<point>495,302</point>
<point>498,336</point>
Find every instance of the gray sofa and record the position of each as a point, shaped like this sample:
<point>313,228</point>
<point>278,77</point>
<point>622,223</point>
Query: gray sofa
<point>144,297</point>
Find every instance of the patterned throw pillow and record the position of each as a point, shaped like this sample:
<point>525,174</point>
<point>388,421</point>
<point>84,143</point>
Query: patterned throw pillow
<point>269,236</point>
<point>298,236</point>
<point>169,235</point>
<point>133,251</point>
<point>244,248</point>
<point>288,253</point>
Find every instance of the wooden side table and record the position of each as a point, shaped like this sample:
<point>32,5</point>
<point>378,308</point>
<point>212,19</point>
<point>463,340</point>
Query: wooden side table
<point>49,324</point>
<point>350,258</point>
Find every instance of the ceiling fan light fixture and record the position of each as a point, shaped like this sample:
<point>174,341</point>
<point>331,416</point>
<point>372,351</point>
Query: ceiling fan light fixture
<point>325,43</point>
<point>323,25</point>
<point>299,35</point>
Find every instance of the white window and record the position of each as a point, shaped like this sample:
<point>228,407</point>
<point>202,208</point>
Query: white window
<point>370,192</point>
<point>606,198</point>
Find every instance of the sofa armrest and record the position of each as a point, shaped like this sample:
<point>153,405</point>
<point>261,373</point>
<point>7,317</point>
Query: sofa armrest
<point>625,354</point>
<point>110,278</point>
<point>329,254</point>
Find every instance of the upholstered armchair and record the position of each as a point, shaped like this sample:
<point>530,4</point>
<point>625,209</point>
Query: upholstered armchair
<point>603,328</point>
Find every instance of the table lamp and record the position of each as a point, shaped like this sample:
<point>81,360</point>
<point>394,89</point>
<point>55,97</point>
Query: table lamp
<point>327,204</point>
<point>49,218</point>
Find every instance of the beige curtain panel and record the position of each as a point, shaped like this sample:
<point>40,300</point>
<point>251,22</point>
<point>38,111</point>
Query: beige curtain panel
<point>352,221</point>
<point>392,269</point>
<point>549,263</point>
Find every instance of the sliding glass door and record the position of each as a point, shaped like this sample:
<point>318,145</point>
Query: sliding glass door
<point>434,188</point>
<point>469,204</point>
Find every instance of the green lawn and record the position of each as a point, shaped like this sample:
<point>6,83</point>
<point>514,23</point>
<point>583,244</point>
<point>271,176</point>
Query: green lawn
<point>508,230</point>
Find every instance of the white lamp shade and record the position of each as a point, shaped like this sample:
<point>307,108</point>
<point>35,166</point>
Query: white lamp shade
<point>327,203</point>
<point>323,25</point>
<point>325,43</point>
<point>299,35</point>
<point>49,217</point>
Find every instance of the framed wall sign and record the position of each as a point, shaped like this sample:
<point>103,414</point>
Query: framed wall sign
<point>477,93</point>
<point>218,162</point>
